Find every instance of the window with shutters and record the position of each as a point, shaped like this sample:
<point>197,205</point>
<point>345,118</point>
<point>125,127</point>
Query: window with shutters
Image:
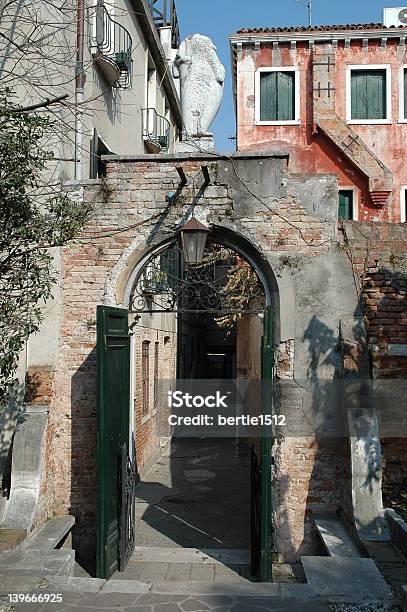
<point>346,204</point>
<point>277,96</point>
<point>145,375</point>
<point>369,94</point>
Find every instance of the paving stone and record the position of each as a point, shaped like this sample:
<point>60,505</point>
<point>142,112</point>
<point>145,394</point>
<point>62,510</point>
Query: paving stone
<point>18,584</point>
<point>190,605</point>
<point>73,584</point>
<point>360,580</point>
<point>108,600</point>
<point>154,599</point>
<point>179,571</point>
<point>126,586</point>
<point>202,572</point>
<point>216,600</point>
<point>167,607</point>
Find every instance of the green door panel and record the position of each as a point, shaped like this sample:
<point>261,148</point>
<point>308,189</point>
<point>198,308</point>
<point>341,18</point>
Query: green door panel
<point>266,536</point>
<point>268,96</point>
<point>285,96</point>
<point>113,409</point>
<point>345,210</point>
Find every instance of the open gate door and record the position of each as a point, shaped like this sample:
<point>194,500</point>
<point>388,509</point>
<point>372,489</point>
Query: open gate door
<point>261,526</point>
<point>266,537</point>
<point>113,416</point>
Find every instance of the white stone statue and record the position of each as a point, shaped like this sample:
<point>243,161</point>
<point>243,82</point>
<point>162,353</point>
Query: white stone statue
<point>201,77</point>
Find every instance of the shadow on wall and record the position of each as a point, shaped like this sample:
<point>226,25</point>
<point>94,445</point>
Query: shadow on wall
<point>309,466</point>
<point>315,467</point>
<point>83,460</point>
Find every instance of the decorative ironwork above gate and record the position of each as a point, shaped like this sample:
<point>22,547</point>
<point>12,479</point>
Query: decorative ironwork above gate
<point>223,283</point>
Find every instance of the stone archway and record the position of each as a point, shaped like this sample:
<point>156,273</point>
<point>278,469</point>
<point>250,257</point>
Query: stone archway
<point>161,286</point>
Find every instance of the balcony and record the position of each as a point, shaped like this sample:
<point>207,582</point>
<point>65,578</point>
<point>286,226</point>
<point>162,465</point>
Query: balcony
<point>156,131</point>
<point>165,14</point>
<point>111,46</point>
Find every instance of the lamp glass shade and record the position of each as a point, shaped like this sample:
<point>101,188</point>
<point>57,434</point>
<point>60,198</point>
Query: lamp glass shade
<point>193,239</point>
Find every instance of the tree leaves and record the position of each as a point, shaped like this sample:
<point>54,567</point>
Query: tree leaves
<point>34,217</point>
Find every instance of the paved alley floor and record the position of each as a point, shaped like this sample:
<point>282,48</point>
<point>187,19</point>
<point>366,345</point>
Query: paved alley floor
<point>196,496</point>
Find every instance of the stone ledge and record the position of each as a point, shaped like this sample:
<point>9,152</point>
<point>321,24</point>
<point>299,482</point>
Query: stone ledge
<point>170,157</point>
<point>11,538</point>
<point>398,529</point>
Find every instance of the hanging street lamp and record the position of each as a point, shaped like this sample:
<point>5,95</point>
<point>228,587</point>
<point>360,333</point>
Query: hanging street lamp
<point>193,240</point>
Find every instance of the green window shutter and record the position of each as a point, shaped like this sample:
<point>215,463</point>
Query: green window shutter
<point>277,96</point>
<point>345,210</point>
<point>358,94</point>
<point>268,96</point>
<point>376,94</point>
<point>368,94</point>
<point>405,93</point>
<point>286,96</point>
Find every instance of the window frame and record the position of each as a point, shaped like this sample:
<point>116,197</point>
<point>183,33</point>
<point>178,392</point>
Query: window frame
<point>403,209</point>
<point>297,95</point>
<point>156,374</point>
<point>364,67</point>
<point>145,377</point>
<point>402,118</point>
<point>355,201</point>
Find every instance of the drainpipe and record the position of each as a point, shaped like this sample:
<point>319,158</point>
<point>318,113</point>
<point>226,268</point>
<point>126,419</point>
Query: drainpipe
<point>80,79</point>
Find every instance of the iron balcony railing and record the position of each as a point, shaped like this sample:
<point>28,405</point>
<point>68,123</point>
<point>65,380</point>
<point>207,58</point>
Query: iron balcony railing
<point>113,42</point>
<point>164,14</point>
<point>156,129</point>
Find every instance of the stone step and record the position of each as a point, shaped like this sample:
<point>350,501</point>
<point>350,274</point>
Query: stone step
<point>34,562</point>
<point>92,594</point>
<point>335,538</point>
<point>51,534</point>
<point>212,556</point>
<point>346,579</point>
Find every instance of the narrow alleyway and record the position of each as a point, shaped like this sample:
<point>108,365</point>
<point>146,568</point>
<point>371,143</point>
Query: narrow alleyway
<point>196,496</point>
<point>193,517</point>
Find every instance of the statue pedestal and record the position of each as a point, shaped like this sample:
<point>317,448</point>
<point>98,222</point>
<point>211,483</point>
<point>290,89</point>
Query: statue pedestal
<point>197,143</point>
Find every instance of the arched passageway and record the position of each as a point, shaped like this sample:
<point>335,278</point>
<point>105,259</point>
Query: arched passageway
<point>198,329</point>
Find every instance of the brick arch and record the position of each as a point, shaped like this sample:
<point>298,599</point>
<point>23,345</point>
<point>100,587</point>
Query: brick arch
<point>277,289</point>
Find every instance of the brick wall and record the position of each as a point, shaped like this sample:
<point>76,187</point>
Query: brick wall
<point>379,255</point>
<point>96,270</point>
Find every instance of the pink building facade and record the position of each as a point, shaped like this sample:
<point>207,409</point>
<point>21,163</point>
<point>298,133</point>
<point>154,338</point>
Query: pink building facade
<point>335,99</point>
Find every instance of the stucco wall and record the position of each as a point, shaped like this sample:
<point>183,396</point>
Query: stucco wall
<point>254,204</point>
<point>313,153</point>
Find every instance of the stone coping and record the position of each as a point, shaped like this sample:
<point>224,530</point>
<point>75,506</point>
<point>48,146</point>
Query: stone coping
<point>398,529</point>
<point>168,157</point>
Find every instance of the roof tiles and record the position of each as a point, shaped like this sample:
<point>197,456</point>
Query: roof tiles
<point>319,28</point>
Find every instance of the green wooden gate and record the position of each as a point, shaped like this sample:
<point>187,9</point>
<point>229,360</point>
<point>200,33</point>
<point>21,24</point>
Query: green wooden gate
<point>266,536</point>
<point>113,409</point>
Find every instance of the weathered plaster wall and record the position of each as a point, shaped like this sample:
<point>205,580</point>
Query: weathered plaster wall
<point>379,255</point>
<point>314,154</point>
<point>286,226</point>
<point>250,199</point>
